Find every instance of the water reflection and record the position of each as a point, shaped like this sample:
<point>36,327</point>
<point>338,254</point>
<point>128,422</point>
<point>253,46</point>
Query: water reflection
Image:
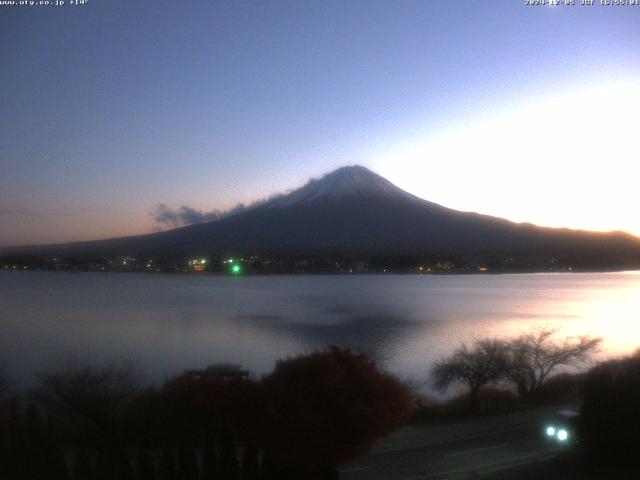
<point>367,328</point>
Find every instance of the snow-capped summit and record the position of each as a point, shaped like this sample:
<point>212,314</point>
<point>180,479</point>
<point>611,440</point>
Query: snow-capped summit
<point>351,181</point>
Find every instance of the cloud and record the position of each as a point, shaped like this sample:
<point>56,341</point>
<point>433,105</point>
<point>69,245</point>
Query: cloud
<point>184,215</point>
<point>170,217</point>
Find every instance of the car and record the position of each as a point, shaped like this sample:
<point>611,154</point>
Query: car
<point>563,427</point>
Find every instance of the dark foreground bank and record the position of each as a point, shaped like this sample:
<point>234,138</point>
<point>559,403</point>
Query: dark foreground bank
<point>314,413</point>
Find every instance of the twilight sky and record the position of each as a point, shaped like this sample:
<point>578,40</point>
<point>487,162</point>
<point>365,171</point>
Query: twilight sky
<point>529,113</point>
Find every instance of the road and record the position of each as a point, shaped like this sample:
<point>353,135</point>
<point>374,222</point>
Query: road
<point>472,449</point>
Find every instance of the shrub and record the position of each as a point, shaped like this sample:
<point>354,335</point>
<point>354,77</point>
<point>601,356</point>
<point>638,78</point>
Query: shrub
<point>610,415</point>
<point>325,408</point>
<point>561,388</point>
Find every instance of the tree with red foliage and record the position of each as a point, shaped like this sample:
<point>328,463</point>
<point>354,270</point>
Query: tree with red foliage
<point>325,408</point>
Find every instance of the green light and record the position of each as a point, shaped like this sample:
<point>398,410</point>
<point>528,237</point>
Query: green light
<point>235,269</point>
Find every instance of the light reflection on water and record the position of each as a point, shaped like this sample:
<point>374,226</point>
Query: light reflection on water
<point>166,323</point>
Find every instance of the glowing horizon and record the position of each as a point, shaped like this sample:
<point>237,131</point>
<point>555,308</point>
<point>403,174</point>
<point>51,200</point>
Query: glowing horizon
<point>562,161</point>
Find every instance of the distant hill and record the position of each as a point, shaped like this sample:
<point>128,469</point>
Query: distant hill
<point>353,211</point>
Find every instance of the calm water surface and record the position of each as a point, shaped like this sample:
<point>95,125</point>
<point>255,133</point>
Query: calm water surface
<point>166,323</point>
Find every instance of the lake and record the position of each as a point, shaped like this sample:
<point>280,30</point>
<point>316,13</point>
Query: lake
<point>167,323</point>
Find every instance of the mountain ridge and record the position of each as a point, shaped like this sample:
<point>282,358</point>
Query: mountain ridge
<point>353,211</point>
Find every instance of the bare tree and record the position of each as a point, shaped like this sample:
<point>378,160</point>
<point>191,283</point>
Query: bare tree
<point>476,367</point>
<point>91,399</point>
<point>534,355</point>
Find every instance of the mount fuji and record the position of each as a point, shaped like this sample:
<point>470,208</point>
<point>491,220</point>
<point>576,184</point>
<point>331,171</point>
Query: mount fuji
<point>353,211</point>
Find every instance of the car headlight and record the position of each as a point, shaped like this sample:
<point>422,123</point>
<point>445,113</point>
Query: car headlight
<point>562,435</point>
<point>551,431</point>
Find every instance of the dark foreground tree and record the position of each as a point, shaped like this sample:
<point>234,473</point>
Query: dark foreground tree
<point>144,465</point>
<point>82,468</point>
<point>4,383</point>
<point>475,367</point>
<point>124,469</point>
<point>90,402</point>
<point>325,408</point>
<point>167,468</point>
<point>204,405</point>
<point>187,463</point>
<point>210,461</point>
<point>535,355</point>
<point>228,458</point>
<point>610,415</point>
<point>250,463</point>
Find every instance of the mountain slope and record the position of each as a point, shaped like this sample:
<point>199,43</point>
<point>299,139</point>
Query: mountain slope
<point>356,212</point>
